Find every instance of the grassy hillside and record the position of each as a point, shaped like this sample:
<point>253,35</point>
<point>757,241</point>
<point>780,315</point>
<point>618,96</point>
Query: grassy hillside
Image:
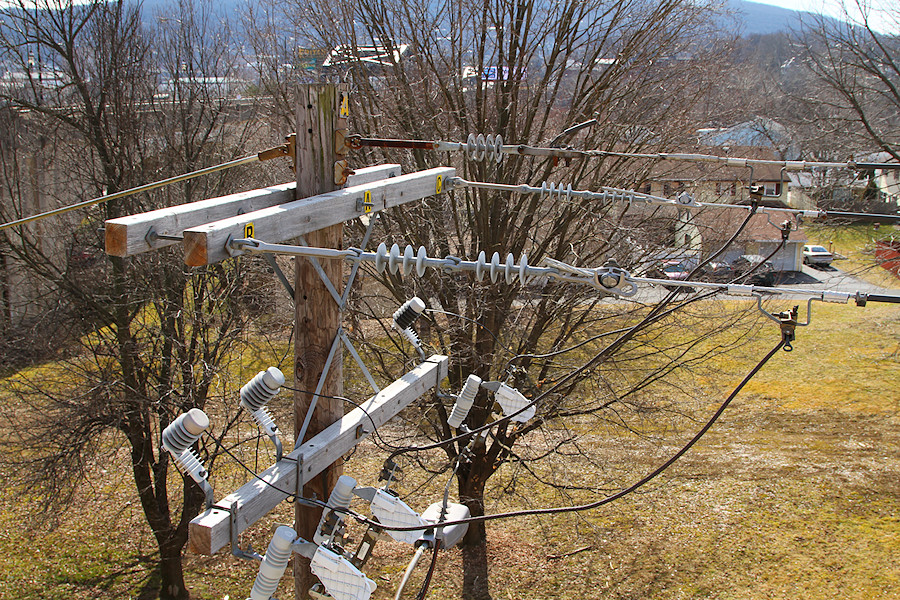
<point>792,494</point>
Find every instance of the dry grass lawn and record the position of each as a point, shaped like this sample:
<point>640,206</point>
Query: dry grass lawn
<point>795,493</point>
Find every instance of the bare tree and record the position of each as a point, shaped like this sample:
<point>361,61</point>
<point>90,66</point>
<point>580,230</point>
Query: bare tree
<point>529,70</point>
<point>856,61</point>
<point>121,104</point>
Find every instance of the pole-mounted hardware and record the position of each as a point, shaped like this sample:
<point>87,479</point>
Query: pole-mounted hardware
<point>179,437</point>
<point>788,322</point>
<point>254,397</point>
<point>289,149</point>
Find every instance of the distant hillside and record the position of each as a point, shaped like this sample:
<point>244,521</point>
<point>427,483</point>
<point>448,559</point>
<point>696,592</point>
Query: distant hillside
<point>754,18</point>
<point>762,19</point>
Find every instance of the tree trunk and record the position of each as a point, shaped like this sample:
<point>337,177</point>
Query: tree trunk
<point>474,544</point>
<point>171,571</point>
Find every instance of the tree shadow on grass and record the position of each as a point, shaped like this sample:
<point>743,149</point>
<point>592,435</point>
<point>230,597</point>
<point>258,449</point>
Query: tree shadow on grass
<point>141,573</point>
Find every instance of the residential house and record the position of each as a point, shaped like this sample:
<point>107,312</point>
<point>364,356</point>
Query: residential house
<point>721,184</point>
<point>762,235</point>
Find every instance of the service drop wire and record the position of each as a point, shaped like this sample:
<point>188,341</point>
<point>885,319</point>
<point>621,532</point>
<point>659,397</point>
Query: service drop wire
<point>545,511</point>
<point>131,191</point>
<point>655,314</point>
<point>620,494</point>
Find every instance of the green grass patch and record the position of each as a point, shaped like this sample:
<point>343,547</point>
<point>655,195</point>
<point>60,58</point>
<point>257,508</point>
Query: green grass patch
<point>856,244</point>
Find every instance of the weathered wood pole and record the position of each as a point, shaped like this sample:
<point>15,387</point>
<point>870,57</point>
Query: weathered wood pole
<point>317,315</point>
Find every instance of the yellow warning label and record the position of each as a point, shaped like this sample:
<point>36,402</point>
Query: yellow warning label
<point>345,104</point>
<point>439,185</point>
<point>248,230</point>
<point>367,202</point>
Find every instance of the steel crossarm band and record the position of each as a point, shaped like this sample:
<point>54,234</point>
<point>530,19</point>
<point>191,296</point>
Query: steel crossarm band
<point>208,244</point>
<point>620,195</point>
<point>134,234</point>
<point>212,529</point>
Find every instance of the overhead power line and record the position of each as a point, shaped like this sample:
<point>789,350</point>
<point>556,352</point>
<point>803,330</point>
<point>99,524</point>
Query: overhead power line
<point>284,150</point>
<point>481,147</point>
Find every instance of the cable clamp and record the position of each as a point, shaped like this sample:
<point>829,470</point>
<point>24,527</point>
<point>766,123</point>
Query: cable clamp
<point>740,290</point>
<point>289,148</point>
<point>788,322</point>
<point>836,297</point>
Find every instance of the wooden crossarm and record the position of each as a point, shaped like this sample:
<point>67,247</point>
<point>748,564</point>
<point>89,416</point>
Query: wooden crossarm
<point>211,530</point>
<point>207,244</point>
<point>127,236</point>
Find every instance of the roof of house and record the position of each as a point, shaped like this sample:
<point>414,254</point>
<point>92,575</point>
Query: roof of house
<point>720,223</point>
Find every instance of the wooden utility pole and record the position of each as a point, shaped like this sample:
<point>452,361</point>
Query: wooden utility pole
<point>317,315</point>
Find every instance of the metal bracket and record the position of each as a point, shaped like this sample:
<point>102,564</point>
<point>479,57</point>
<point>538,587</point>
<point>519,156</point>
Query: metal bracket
<point>154,236</point>
<point>322,275</point>
<point>349,345</point>
<point>319,386</point>
<point>787,320</point>
<point>235,541</point>
<point>304,548</point>
<point>280,274</point>
<point>299,490</point>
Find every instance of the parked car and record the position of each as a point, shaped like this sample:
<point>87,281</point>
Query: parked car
<point>763,274</point>
<point>717,272</point>
<point>816,255</point>
<point>675,270</point>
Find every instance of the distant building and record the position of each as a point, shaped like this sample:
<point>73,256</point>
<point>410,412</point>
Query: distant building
<point>720,184</point>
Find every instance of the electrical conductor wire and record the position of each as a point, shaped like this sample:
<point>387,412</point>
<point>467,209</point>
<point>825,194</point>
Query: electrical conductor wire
<point>559,509</point>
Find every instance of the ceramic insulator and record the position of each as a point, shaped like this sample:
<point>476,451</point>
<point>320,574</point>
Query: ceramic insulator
<point>464,401</point>
<point>273,564</point>
<point>262,388</point>
<point>340,498</point>
<point>407,314</point>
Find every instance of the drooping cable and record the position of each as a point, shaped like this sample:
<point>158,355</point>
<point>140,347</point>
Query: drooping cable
<point>640,483</point>
<point>560,509</point>
<point>425,584</point>
<point>409,569</point>
<point>131,191</point>
<point>618,342</point>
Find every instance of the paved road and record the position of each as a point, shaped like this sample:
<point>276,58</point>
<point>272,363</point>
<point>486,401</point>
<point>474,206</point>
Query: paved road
<point>813,279</point>
<point>834,278</point>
